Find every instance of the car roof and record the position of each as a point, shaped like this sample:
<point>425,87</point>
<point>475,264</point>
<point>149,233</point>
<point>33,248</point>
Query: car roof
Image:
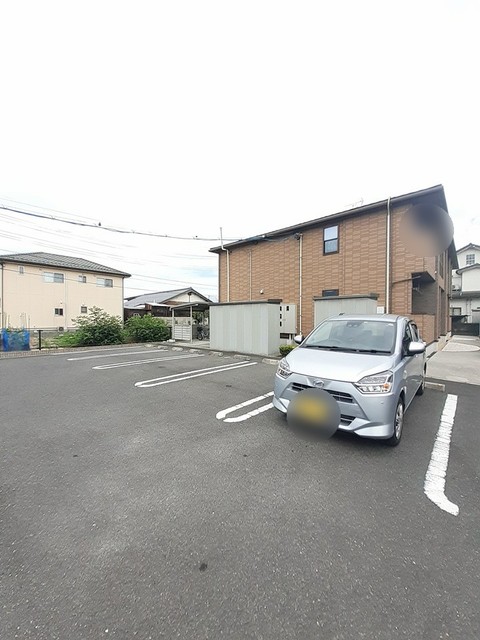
<point>383,317</point>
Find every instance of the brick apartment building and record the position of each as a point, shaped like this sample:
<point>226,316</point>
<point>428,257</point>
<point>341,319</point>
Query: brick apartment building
<point>344,254</point>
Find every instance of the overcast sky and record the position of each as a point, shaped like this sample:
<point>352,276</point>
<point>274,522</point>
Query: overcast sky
<point>183,117</point>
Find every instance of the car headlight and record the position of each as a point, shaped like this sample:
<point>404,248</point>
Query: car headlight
<point>378,383</point>
<point>283,369</point>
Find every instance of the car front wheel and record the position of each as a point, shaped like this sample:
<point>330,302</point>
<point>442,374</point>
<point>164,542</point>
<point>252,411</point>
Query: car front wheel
<point>397,424</point>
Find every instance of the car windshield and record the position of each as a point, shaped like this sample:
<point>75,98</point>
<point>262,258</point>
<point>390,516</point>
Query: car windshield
<point>356,335</point>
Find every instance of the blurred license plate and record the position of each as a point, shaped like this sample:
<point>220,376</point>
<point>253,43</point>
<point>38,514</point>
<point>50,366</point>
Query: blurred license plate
<point>311,409</point>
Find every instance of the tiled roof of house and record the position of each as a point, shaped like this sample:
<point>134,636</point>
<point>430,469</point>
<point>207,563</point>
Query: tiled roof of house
<point>62,262</point>
<point>159,297</point>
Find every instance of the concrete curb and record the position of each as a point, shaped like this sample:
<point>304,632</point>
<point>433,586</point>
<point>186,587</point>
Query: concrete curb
<point>436,386</point>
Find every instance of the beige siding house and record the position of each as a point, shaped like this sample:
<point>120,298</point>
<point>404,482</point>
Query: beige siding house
<point>47,291</point>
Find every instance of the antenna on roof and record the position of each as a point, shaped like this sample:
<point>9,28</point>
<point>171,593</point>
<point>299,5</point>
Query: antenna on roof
<point>357,203</point>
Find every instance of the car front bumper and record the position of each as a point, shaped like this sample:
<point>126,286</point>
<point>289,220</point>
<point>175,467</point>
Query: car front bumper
<point>367,415</point>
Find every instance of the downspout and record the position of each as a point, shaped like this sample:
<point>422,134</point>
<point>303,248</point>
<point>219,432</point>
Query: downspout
<point>228,265</point>
<point>387,266</point>
<point>250,273</point>
<point>299,237</point>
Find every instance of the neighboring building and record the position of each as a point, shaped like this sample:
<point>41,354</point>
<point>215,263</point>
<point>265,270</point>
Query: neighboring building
<point>344,255</point>
<point>47,291</point>
<point>182,309</point>
<point>162,304</point>
<point>465,302</point>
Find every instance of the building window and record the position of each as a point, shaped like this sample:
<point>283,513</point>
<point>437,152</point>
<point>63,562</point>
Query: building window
<point>104,282</point>
<point>82,279</point>
<point>21,270</point>
<point>330,239</point>
<point>53,277</point>
<point>441,265</point>
<point>59,311</point>
<point>329,293</point>
<point>456,311</point>
<point>469,259</point>
<point>83,309</point>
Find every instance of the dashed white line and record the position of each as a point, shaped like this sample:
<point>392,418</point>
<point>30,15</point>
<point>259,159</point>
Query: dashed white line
<point>187,375</point>
<point>131,363</point>
<point>115,355</point>
<point>244,416</point>
<point>435,477</point>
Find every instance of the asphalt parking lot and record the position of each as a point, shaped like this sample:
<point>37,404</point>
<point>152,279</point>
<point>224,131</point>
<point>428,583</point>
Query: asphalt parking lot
<point>138,500</point>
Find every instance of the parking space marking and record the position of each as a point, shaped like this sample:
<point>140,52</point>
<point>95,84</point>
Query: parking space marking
<point>187,375</point>
<point>245,416</point>
<point>115,355</point>
<point>131,363</point>
<point>435,477</point>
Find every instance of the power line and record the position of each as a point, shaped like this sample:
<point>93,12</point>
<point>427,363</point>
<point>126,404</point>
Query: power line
<point>27,204</point>
<point>111,229</point>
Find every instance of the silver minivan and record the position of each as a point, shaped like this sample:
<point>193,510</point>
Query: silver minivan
<point>373,366</point>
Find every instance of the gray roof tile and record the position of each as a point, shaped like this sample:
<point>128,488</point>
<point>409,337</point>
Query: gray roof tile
<point>62,262</point>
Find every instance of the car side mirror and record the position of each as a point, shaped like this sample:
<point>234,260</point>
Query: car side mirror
<point>414,348</point>
<point>299,339</point>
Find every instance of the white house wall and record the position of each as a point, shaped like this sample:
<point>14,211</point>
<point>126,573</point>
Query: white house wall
<point>30,302</point>
<point>462,257</point>
<point>471,280</point>
<point>184,298</point>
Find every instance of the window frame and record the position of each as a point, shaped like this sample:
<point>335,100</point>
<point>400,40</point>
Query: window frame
<point>82,307</point>
<point>82,279</point>
<point>21,270</point>
<point>325,240</point>
<point>104,284</point>
<point>56,277</point>
<point>467,256</point>
<point>58,312</point>
<point>330,293</point>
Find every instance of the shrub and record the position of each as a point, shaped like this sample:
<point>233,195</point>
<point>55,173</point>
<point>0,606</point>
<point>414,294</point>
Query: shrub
<point>147,329</point>
<point>286,348</point>
<point>70,339</point>
<point>98,328</point>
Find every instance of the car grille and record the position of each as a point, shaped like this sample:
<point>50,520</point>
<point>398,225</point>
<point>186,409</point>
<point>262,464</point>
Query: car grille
<point>339,396</point>
<point>346,420</point>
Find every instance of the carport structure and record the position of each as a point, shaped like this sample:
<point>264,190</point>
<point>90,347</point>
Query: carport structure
<point>186,332</point>
<point>176,307</point>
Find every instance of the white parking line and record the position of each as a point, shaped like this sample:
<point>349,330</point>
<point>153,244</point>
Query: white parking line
<point>116,365</point>
<point>434,485</point>
<point>187,375</point>
<point>245,416</point>
<point>115,355</point>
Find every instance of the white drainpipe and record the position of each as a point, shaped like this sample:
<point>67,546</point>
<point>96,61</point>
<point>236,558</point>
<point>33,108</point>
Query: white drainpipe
<point>387,266</point>
<point>300,281</point>
<point>228,264</point>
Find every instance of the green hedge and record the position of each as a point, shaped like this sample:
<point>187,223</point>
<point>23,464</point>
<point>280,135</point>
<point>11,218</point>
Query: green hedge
<point>146,329</point>
<point>286,348</point>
